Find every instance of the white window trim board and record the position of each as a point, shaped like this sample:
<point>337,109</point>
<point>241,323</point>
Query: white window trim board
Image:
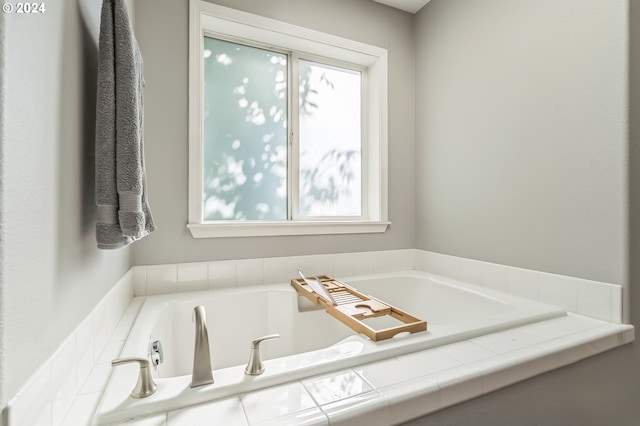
<point>203,16</point>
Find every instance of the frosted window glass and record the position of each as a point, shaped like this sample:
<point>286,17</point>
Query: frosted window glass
<point>330,140</point>
<point>245,132</point>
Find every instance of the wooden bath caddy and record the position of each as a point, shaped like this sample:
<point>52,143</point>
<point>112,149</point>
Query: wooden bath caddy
<point>352,307</point>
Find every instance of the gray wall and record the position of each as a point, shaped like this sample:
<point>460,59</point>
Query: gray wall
<point>531,99</point>
<point>51,274</point>
<point>162,33</point>
<point>522,133</point>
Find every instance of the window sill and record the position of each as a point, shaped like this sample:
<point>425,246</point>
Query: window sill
<point>263,229</point>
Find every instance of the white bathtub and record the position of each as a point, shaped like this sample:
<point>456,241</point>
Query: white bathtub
<point>311,342</point>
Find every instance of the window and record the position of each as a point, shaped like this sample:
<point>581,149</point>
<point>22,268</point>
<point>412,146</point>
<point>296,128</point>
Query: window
<point>287,129</point>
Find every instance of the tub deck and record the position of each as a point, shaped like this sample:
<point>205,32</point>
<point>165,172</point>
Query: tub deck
<point>311,342</point>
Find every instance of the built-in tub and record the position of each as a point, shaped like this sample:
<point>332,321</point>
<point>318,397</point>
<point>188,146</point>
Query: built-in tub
<point>311,341</point>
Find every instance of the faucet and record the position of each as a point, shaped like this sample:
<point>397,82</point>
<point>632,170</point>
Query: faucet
<point>202,374</point>
<point>145,385</point>
<point>255,367</point>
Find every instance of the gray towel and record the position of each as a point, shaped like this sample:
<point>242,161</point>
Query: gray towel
<point>123,214</point>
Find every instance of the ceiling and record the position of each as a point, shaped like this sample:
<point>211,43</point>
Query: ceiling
<point>409,5</point>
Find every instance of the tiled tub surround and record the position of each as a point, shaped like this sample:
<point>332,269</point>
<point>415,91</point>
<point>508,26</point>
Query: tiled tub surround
<point>401,388</point>
<point>66,389</point>
<point>311,342</point>
<point>591,298</point>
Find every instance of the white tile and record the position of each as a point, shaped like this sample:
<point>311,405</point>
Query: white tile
<point>450,266</point>
<point>401,260</point>
<point>382,261</point>
<point>362,263</point>
<point>386,372</point>
<point>127,290</point>
<point>343,265</point>
<point>412,399</point>
<point>156,420</point>
<point>433,262</point>
<point>311,417</point>
<point>139,280</point>
<point>508,340</point>
<point>391,260</point>
<point>250,272</point>
<point>441,264</point>
<point>616,304</point>
<point>561,327</point>
<point>594,299</point>
<point>470,271</point>
<point>316,264</point>
<point>277,401</point>
<point>85,357</point>
<point>507,369</point>
<point>193,276</point>
<point>63,362</point>
<point>162,279</point>
<point>336,386</point>
<point>420,260</point>
<point>115,308</point>
<point>524,283</point>
<point>135,305</point>
<point>226,412</point>
<point>63,396</point>
<point>437,263</point>
<point>110,352</point>
<point>466,352</point>
<point>429,361</point>
<point>275,270</point>
<point>97,379</point>
<point>44,417</point>
<point>32,404</point>
<point>63,379</point>
<point>82,409</point>
<point>366,409</point>
<point>103,327</point>
<point>124,326</point>
<point>222,273</point>
<point>559,290</point>
<point>592,342</point>
<point>495,277</point>
<point>458,384</point>
<point>118,298</point>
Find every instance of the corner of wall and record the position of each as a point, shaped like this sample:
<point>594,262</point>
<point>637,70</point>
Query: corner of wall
<point>632,298</point>
<point>2,138</point>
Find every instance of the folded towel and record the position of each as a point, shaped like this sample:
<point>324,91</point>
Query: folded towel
<point>123,214</point>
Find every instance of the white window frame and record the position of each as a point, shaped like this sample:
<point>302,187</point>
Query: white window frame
<point>208,18</point>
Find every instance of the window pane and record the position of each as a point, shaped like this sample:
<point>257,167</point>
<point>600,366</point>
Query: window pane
<point>245,132</point>
<point>330,140</point>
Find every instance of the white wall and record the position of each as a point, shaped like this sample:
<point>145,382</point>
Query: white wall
<point>51,274</point>
<point>522,144</point>
<point>162,32</point>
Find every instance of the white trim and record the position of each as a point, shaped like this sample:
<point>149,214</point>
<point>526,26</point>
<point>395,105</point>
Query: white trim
<point>364,142</point>
<point>261,229</point>
<point>235,23</point>
<point>196,41</point>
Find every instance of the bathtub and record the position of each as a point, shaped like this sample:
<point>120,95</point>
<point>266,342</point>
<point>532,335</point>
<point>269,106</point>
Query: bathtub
<point>311,342</point>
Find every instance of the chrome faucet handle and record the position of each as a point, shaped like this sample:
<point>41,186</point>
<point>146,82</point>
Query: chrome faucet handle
<point>255,367</point>
<point>145,385</point>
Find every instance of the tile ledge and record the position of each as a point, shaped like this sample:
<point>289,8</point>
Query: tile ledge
<point>519,365</point>
<point>473,379</point>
